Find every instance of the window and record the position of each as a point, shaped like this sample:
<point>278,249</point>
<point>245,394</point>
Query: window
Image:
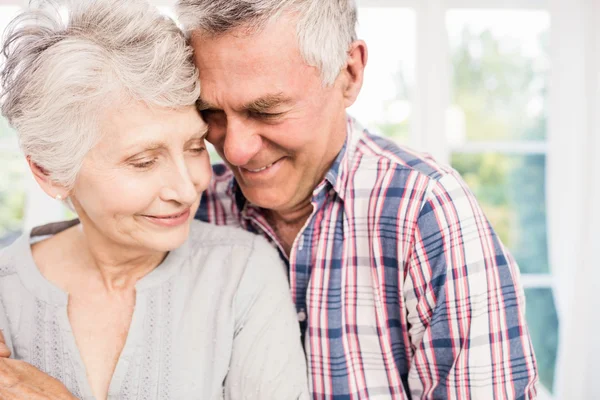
<point>12,167</point>
<point>384,104</point>
<point>496,134</point>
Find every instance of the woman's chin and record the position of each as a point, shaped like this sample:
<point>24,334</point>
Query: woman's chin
<point>168,239</point>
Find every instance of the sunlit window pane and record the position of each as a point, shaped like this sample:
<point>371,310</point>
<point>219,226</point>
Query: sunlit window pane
<point>500,75</point>
<point>12,165</point>
<point>7,13</point>
<point>543,327</point>
<point>384,104</point>
<point>12,195</point>
<point>511,191</point>
<point>168,11</point>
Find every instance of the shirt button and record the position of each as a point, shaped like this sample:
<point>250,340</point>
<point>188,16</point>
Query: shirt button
<point>301,316</point>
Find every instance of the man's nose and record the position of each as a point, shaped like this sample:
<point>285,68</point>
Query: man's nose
<point>242,143</point>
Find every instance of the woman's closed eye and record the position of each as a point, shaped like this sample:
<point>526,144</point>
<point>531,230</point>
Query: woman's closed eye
<point>197,146</point>
<point>143,164</point>
<point>198,150</point>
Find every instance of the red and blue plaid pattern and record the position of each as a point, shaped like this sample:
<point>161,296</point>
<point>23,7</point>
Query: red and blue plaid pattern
<point>408,292</point>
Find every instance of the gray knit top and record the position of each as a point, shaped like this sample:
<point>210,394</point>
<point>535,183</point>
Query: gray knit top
<point>213,321</point>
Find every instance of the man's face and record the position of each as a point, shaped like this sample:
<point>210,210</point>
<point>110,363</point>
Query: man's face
<point>269,116</point>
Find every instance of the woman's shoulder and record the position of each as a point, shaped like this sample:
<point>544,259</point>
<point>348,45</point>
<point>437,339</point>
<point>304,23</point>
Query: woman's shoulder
<point>12,255</point>
<point>30,253</point>
<point>240,251</point>
<point>203,234</point>
<point>229,266</point>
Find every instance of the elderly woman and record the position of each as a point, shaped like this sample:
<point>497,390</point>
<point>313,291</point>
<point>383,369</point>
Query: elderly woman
<point>134,299</point>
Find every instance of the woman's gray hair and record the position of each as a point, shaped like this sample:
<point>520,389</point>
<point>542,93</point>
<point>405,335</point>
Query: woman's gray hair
<point>68,63</point>
<point>325,28</point>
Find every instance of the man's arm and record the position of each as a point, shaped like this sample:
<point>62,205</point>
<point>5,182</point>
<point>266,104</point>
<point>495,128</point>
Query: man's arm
<point>5,342</point>
<point>4,349</point>
<point>466,306</point>
<point>19,380</point>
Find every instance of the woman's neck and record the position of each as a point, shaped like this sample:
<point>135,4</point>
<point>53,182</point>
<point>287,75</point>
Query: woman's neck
<point>84,253</point>
<point>119,266</point>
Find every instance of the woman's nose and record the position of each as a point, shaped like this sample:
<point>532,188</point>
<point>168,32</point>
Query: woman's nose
<point>180,185</point>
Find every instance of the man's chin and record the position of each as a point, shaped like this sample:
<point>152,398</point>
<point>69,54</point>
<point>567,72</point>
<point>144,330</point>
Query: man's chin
<point>269,198</point>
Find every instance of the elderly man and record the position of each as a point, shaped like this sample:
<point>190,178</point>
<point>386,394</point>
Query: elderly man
<point>401,286</point>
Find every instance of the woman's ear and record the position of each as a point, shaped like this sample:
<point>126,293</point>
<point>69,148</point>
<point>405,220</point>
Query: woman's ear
<point>42,177</point>
<point>354,71</point>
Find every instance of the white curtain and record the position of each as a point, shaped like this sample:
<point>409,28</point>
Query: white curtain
<point>574,194</point>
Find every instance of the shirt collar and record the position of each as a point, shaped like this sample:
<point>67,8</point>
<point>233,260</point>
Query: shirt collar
<point>339,171</point>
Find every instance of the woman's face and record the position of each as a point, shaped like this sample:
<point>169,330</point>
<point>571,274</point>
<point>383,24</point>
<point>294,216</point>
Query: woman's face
<point>140,186</point>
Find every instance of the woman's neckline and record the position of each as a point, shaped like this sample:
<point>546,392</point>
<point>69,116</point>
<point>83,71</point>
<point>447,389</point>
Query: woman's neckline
<point>41,287</point>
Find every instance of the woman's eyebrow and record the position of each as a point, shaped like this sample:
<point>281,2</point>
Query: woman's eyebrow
<point>139,149</point>
<point>200,135</point>
<point>146,146</point>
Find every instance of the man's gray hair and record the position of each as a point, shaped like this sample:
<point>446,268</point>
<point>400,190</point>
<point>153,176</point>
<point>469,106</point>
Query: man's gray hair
<point>67,64</point>
<point>325,28</point>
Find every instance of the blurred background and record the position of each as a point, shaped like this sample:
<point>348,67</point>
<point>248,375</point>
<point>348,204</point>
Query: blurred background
<point>508,93</point>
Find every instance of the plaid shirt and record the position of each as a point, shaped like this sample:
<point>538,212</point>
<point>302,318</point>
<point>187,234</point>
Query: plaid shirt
<point>402,288</point>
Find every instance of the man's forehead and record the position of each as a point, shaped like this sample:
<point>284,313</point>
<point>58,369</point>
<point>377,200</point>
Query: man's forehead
<point>275,40</point>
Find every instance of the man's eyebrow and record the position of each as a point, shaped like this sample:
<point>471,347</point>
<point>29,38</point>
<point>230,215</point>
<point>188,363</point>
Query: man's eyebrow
<point>267,102</point>
<point>202,105</point>
<point>261,104</point>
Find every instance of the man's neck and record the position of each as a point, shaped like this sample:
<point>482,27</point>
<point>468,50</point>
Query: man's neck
<point>288,224</point>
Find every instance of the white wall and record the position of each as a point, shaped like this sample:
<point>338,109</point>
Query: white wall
<point>575,196</point>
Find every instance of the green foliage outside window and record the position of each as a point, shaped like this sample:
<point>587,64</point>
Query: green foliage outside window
<point>12,195</point>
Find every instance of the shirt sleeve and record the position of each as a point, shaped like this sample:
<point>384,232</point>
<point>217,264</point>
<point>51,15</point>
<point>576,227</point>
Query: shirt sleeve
<point>465,304</point>
<point>268,362</point>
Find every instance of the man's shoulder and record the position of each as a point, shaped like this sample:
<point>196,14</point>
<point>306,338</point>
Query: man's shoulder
<point>377,153</point>
<point>218,204</point>
<point>377,166</point>
<point>222,178</point>
<point>221,171</point>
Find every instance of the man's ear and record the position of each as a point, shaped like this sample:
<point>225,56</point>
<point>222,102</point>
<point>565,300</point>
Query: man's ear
<point>42,177</point>
<point>354,71</point>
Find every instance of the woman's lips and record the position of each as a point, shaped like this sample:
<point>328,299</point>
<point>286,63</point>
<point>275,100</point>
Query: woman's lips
<point>169,220</point>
